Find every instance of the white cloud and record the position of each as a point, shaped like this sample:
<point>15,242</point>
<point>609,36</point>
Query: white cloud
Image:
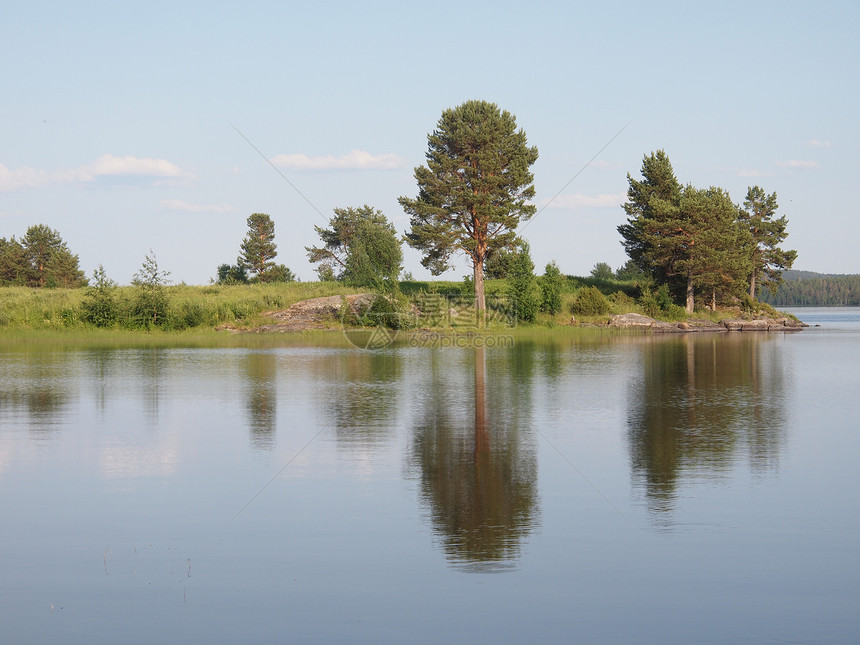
<point>754,172</point>
<point>353,160</point>
<point>110,166</point>
<point>185,207</point>
<point>816,143</point>
<point>159,170</point>
<point>578,200</point>
<point>24,177</point>
<point>797,163</point>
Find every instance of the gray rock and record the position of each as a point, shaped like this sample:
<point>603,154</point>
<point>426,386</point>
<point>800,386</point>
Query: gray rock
<point>631,321</point>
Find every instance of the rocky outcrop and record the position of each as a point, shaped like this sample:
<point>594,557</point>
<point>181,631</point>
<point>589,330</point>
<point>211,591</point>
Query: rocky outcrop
<point>631,321</point>
<point>763,324</point>
<point>316,313</point>
<point>638,321</point>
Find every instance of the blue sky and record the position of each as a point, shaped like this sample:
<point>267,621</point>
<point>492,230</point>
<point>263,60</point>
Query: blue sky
<point>116,124</point>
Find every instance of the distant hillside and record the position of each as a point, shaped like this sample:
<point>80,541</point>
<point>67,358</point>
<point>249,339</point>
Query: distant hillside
<point>807,288</point>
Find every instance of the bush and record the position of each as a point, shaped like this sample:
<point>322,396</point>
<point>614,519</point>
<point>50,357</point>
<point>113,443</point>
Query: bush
<point>100,307</point>
<point>675,312</point>
<point>621,301</point>
<point>551,286</point>
<point>589,302</point>
<point>389,310</point>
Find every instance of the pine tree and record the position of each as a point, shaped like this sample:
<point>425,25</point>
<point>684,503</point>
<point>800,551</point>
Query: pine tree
<point>768,259</point>
<point>474,190</point>
<point>14,267</point>
<point>648,202</point>
<point>49,263</point>
<point>258,249</point>
<point>717,259</point>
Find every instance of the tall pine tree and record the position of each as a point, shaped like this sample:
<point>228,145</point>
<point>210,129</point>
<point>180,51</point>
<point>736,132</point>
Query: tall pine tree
<point>474,190</point>
<point>258,249</point>
<point>768,259</point>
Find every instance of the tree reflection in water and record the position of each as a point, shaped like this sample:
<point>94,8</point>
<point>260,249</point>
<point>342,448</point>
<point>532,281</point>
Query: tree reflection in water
<point>478,472</point>
<point>261,370</point>
<point>34,391</point>
<point>702,403</point>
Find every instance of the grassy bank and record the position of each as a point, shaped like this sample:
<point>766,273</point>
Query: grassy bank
<point>198,310</point>
<point>187,307</point>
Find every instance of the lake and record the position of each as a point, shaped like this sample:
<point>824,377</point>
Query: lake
<point>591,487</point>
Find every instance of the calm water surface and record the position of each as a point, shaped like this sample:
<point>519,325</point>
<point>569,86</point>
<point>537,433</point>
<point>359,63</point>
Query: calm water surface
<point>608,489</point>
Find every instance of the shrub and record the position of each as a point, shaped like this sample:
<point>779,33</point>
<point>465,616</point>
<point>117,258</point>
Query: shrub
<point>589,302</point>
<point>621,301</point>
<point>551,287</point>
<point>100,307</point>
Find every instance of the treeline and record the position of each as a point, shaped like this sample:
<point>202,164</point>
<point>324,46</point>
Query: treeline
<point>808,289</point>
<point>39,259</point>
<point>705,248</point>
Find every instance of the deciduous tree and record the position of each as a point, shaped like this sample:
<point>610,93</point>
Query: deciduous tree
<point>360,247</point>
<point>151,305</point>
<point>522,287</point>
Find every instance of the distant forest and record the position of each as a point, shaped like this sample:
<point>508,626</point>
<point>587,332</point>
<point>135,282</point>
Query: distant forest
<point>806,288</point>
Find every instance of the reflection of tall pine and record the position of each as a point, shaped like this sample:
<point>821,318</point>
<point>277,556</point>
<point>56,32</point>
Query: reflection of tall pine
<point>258,249</point>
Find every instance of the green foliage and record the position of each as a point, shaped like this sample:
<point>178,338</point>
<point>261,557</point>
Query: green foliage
<point>232,274</point>
<point>40,259</point>
<point>100,307</point>
<point>629,272</point>
<point>805,288</point>
<point>14,268</point>
<point>389,308</point>
<point>189,307</point>
<point>663,297</point>
<point>768,259</point>
<point>151,302</point>
<point>277,273</point>
<point>675,312</point>
<point>258,249</point>
<point>649,202</point>
<point>621,302</point>
<point>657,303</point>
<point>474,190</point>
<point>360,247</point>
<point>523,291</point>
<point>602,271</point>
<point>589,301</point>
<point>716,249</point>
<point>692,239</point>
<point>649,304</point>
<point>499,261</point>
<point>552,285</point>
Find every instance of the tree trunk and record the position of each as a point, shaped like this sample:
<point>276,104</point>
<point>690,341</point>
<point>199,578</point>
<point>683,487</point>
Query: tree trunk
<point>691,301</point>
<point>713,300</point>
<point>752,286</point>
<point>480,302</point>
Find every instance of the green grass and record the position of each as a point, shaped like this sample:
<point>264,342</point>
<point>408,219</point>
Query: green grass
<point>189,307</point>
<point>195,311</point>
